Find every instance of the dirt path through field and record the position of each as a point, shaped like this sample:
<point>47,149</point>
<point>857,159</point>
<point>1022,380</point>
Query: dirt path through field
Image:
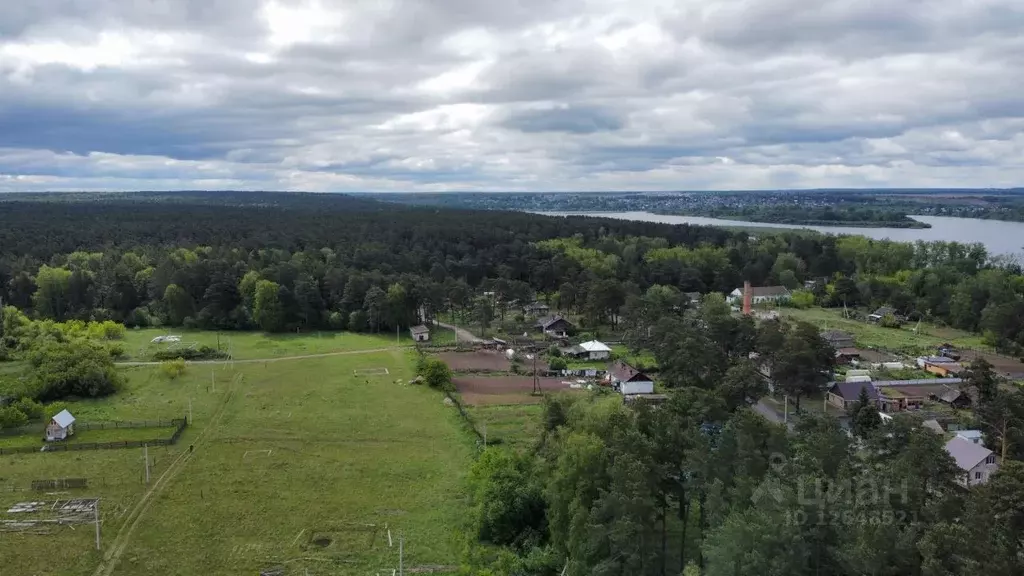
<point>138,512</point>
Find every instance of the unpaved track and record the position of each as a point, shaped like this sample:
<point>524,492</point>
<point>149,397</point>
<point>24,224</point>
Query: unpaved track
<point>138,512</point>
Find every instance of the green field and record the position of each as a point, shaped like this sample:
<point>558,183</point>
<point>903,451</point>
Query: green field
<point>138,344</point>
<point>284,453</point>
<point>517,426</point>
<point>868,335</point>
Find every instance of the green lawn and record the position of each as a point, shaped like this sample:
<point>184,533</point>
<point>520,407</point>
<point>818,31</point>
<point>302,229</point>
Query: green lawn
<point>870,335</point>
<point>285,452</point>
<point>253,345</point>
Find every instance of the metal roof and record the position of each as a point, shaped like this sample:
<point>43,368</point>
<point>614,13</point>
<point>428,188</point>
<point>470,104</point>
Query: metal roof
<point>919,382</point>
<point>966,453</point>
<point>594,346</point>
<point>64,419</point>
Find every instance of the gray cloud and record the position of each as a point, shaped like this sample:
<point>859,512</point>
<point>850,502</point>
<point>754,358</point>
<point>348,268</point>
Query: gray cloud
<point>460,94</point>
<point>576,120</point>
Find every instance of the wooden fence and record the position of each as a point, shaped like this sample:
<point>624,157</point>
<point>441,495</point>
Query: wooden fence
<point>178,424</point>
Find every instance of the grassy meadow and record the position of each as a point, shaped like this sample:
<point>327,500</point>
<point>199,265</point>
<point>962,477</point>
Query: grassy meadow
<point>301,464</point>
<point>138,343</point>
<point>868,335</point>
<point>517,426</point>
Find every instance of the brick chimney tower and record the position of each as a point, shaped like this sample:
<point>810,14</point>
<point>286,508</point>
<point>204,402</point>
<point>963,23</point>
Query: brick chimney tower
<point>747,298</point>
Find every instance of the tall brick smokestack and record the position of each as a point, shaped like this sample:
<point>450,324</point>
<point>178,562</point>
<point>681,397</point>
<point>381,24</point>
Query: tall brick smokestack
<point>747,298</point>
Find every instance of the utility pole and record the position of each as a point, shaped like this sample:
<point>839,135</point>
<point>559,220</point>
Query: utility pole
<point>785,413</point>
<point>536,380</point>
<point>213,382</point>
<point>485,435</point>
<point>145,456</point>
<point>190,411</point>
<point>96,512</point>
<point>401,555</point>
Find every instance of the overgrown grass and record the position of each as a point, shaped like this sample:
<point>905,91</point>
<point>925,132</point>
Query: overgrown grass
<point>254,345</point>
<point>345,452</point>
<point>644,358</point>
<point>516,426</point>
<point>868,335</point>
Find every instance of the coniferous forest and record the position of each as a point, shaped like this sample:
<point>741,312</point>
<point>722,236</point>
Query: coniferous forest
<point>701,484</point>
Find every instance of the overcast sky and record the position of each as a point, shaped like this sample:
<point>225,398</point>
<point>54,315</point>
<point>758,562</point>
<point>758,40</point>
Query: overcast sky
<point>346,95</point>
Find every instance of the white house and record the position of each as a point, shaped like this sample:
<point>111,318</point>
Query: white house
<point>592,350</point>
<point>977,462</point>
<point>972,436</point>
<point>420,333</point>
<point>761,294</point>
<point>628,380</point>
<point>60,427</point>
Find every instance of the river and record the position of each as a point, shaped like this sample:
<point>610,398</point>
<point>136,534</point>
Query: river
<point>999,237</point>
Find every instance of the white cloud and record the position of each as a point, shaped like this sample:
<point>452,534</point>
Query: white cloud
<point>458,94</point>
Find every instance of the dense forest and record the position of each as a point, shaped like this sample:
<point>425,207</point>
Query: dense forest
<point>698,485</point>
<point>293,261</point>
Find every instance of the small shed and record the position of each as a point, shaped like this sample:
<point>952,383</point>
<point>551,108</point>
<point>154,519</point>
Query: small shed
<point>882,312</point>
<point>420,333</point>
<point>60,427</point>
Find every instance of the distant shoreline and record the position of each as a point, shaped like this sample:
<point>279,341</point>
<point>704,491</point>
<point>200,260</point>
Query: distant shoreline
<point>910,223</point>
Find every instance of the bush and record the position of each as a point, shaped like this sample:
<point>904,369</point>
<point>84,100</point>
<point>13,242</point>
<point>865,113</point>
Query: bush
<point>11,417</point>
<point>337,321</point>
<point>801,299</point>
<point>558,364</point>
<point>80,368</point>
<point>890,321</point>
<point>554,352</point>
<point>173,368</point>
<point>30,408</point>
<point>200,353</point>
<point>435,372</point>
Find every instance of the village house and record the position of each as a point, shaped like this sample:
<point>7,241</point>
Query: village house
<point>592,350</point>
<point>902,395</point>
<point>420,333</point>
<point>845,394</point>
<point>693,298</point>
<point>60,427</point>
<point>536,309</point>
<point>838,339</point>
<point>628,380</point>
<point>554,326</point>
<point>976,462</point>
<point>761,295</point>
